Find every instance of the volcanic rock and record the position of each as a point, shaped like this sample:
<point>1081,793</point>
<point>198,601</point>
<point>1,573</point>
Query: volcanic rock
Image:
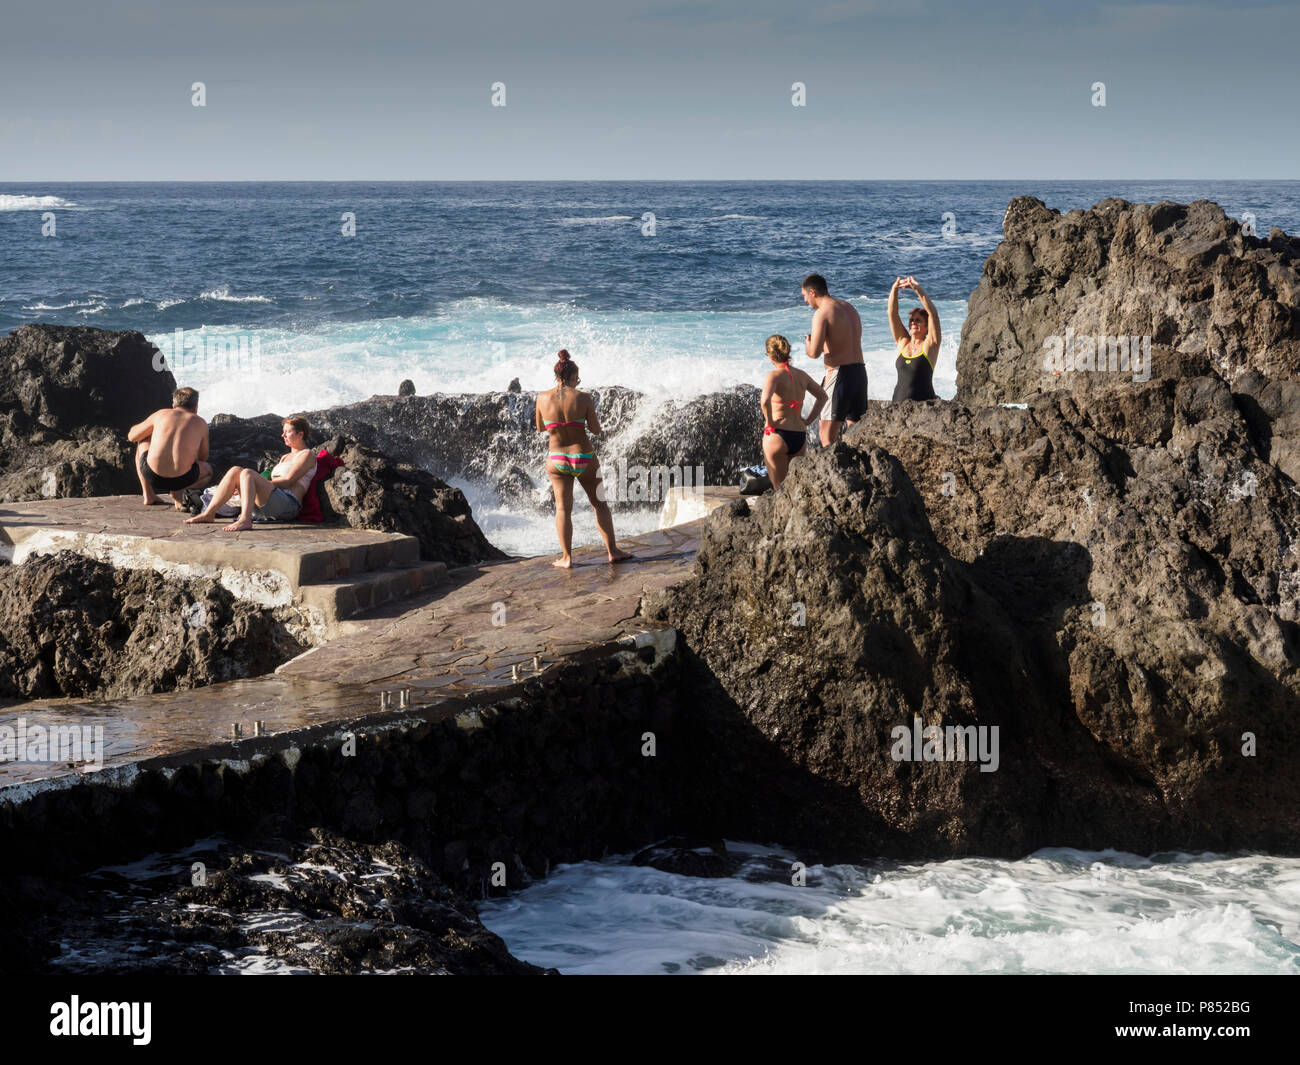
<point>340,907</point>
<point>1112,579</point>
<point>1206,294</point>
<point>68,395</point>
<point>70,625</point>
<point>372,492</point>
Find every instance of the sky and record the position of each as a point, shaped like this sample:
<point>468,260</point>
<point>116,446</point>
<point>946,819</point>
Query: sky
<point>646,90</point>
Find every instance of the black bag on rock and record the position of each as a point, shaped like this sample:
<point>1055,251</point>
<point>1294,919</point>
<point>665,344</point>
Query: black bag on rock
<point>754,481</point>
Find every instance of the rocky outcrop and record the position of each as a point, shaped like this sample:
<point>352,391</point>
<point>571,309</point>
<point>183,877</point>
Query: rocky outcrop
<point>72,626</point>
<point>1110,579</point>
<point>341,907</point>
<point>68,395</point>
<point>1272,409</point>
<point>370,491</point>
<point>1184,278</point>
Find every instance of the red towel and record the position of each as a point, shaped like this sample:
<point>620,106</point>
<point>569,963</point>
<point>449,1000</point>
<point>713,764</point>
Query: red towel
<point>326,464</point>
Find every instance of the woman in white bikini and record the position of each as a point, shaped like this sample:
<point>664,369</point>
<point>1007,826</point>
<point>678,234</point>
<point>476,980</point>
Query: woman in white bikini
<point>281,497</point>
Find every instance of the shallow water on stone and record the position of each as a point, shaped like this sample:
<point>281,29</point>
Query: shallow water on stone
<point>1056,911</point>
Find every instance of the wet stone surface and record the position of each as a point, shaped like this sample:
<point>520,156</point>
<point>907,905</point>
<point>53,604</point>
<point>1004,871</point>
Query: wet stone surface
<point>443,645</point>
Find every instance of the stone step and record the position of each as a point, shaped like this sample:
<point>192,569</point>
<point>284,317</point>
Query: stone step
<point>333,563</point>
<point>344,597</point>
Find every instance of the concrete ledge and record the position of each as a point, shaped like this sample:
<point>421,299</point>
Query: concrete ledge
<point>118,529</point>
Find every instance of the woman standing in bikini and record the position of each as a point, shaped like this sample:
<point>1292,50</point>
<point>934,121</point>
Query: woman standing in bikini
<point>567,415</point>
<point>918,344</point>
<point>785,432</point>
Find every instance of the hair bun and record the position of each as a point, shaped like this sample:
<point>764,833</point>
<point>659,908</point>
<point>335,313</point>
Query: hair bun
<point>564,355</point>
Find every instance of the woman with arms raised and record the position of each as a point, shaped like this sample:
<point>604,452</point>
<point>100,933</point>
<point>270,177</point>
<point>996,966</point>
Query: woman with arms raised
<point>918,344</point>
<point>566,415</point>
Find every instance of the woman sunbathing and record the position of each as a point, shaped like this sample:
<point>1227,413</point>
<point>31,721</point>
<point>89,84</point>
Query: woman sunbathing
<point>281,497</point>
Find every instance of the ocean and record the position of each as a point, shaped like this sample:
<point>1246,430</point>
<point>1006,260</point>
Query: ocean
<point>670,288</point>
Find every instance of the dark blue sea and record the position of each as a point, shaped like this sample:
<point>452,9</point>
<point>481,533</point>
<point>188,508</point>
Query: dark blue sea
<point>463,286</point>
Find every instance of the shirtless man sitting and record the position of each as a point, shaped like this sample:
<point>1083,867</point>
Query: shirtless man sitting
<point>172,449</point>
<point>836,334</point>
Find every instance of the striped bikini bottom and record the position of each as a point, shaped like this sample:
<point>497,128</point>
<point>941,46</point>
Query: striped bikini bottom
<point>573,465</point>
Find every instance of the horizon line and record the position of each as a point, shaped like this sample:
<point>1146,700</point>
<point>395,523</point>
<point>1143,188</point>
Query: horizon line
<point>624,181</point>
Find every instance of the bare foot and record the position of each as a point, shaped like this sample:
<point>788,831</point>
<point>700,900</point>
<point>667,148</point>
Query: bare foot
<point>201,519</point>
<point>563,563</point>
<point>180,506</point>
<point>239,525</point>
<point>152,501</point>
<point>618,556</point>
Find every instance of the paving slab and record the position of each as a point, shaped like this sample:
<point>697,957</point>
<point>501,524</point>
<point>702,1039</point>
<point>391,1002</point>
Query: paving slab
<point>544,609</point>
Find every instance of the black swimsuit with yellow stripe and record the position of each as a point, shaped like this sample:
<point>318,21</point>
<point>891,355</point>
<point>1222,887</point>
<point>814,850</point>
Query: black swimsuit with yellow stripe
<point>915,375</point>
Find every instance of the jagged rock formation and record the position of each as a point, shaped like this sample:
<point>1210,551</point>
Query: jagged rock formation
<point>350,907</point>
<point>1206,294</point>
<point>371,492</point>
<point>72,626</point>
<point>68,395</point>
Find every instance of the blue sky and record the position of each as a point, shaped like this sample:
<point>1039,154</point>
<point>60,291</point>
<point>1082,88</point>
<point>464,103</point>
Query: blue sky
<point>396,90</point>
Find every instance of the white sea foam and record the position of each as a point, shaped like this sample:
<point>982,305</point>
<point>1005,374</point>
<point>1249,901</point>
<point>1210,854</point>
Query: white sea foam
<point>160,304</point>
<point>33,203</point>
<point>929,240</point>
<point>601,220</point>
<point>477,345</point>
<point>734,217</point>
<point>64,306</point>
<point>1056,911</point>
<point>222,294</point>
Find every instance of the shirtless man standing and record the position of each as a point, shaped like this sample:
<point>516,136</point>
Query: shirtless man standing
<point>172,449</point>
<point>837,334</point>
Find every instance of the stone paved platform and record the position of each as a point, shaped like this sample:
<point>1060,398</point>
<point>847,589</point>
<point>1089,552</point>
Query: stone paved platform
<point>444,647</point>
<point>502,616</point>
<point>124,531</point>
<point>326,572</point>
